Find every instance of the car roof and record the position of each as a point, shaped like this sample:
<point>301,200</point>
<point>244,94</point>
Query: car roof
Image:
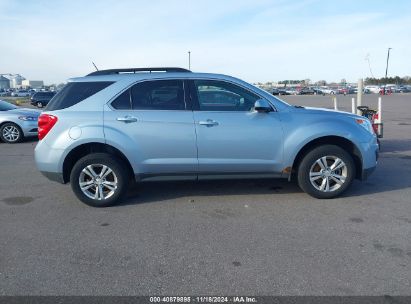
<point>147,76</point>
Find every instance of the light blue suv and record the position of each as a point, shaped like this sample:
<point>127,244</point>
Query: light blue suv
<point>112,126</point>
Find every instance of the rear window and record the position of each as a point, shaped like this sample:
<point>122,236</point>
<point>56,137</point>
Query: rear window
<point>74,92</point>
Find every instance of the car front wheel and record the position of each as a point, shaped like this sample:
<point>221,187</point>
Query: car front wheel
<point>326,171</point>
<point>11,133</point>
<point>99,180</point>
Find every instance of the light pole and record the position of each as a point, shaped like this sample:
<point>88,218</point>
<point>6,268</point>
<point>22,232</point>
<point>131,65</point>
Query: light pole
<point>189,60</point>
<point>388,58</point>
<point>386,69</point>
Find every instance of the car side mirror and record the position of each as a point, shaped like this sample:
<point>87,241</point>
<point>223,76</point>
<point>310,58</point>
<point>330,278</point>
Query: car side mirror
<point>262,106</point>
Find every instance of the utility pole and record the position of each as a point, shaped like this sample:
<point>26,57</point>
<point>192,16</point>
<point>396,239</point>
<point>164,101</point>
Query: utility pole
<point>388,58</point>
<point>359,94</point>
<point>189,60</point>
<point>386,69</point>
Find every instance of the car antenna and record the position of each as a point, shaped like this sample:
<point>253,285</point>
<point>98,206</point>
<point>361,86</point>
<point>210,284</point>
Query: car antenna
<point>94,65</point>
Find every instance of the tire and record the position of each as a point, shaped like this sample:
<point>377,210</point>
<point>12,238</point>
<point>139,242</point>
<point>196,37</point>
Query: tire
<point>315,172</point>
<point>113,186</point>
<point>11,133</point>
<point>39,104</point>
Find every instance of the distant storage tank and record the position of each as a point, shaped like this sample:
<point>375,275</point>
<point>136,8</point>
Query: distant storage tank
<point>4,83</point>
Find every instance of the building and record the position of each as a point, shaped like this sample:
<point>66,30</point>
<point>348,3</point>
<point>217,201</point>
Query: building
<point>4,83</point>
<point>16,81</point>
<point>34,84</point>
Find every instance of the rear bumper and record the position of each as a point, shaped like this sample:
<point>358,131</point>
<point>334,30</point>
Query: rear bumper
<point>49,161</point>
<point>53,176</point>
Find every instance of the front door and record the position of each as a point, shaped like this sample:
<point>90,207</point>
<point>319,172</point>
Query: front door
<point>232,138</point>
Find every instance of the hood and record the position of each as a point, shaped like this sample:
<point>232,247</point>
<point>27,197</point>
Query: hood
<point>26,111</point>
<point>311,110</point>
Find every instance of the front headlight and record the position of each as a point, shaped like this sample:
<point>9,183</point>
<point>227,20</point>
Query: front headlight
<point>28,118</point>
<point>365,123</point>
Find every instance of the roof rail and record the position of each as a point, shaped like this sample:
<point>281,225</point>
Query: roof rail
<point>135,70</point>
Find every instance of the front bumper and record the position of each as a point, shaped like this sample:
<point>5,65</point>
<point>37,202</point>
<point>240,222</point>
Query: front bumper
<point>370,154</point>
<point>29,127</point>
<point>367,172</point>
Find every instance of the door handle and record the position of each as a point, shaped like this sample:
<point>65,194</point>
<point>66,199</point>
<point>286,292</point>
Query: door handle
<point>127,119</point>
<point>208,123</point>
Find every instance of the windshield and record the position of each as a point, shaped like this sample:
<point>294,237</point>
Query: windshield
<point>5,106</point>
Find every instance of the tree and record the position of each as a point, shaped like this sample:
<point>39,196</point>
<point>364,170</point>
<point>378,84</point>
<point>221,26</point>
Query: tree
<point>321,83</point>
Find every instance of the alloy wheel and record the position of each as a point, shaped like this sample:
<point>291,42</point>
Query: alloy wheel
<point>11,133</point>
<point>98,182</point>
<point>328,173</point>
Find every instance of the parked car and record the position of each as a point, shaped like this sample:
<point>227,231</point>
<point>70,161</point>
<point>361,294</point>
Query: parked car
<point>282,91</point>
<point>291,91</point>
<point>346,90</point>
<point>41,99</point>
<point>5,93</point>
<point>21,93</point>
<point>16,123</point>
<point>327,90</point>
<point>318,91</point>
<point>105,129</point>
<point>306,91</point>
<point>279,91</point>
<point>401,89</point>
<point>275,91</point>
<point>364,90</point>
<point>373,88</point>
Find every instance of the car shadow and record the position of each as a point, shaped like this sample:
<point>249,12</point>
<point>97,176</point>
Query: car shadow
<point>395,145</point>
<point>31,139</point>
<point>385,178</point>
<point>161,191</point>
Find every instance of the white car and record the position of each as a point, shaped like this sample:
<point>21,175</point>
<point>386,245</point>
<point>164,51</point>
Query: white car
<point>373,88</point>
<point>327,90</point>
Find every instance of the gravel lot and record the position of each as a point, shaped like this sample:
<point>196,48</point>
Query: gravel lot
<point>220,238</point>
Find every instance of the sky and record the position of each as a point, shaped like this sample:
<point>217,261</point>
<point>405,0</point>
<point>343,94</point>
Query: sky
<point>257,41</point>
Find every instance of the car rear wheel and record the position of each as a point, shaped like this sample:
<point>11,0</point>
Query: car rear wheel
<point>99,180</point>
<point>11,133</point>
<point>326,171</point>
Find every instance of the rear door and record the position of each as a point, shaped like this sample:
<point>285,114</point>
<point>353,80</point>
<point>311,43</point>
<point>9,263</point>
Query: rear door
<point>154,123</point>
<point>232,138</point>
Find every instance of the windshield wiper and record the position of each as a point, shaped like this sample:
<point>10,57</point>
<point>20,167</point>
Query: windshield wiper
<point>299,107</point>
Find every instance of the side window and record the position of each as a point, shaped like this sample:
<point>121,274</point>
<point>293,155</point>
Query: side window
<point>74,92</point>
<point>214,95</point>
<point>158,95</point>
<point>122,102</point>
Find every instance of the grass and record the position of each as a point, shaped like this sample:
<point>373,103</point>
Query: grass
<point>16,100</point>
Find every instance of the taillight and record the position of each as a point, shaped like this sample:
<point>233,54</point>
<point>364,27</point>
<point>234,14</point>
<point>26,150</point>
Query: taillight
<point>45,123</point>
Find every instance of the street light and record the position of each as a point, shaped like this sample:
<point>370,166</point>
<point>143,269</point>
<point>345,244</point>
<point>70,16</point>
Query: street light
<point>386,69</point>
<point>189,60</point>
<point>388,58</point>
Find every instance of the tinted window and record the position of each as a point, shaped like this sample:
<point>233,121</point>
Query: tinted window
<point>74,92</point>
<point>223,96</point>
<point>158,95</point>
<point>122,102</point>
